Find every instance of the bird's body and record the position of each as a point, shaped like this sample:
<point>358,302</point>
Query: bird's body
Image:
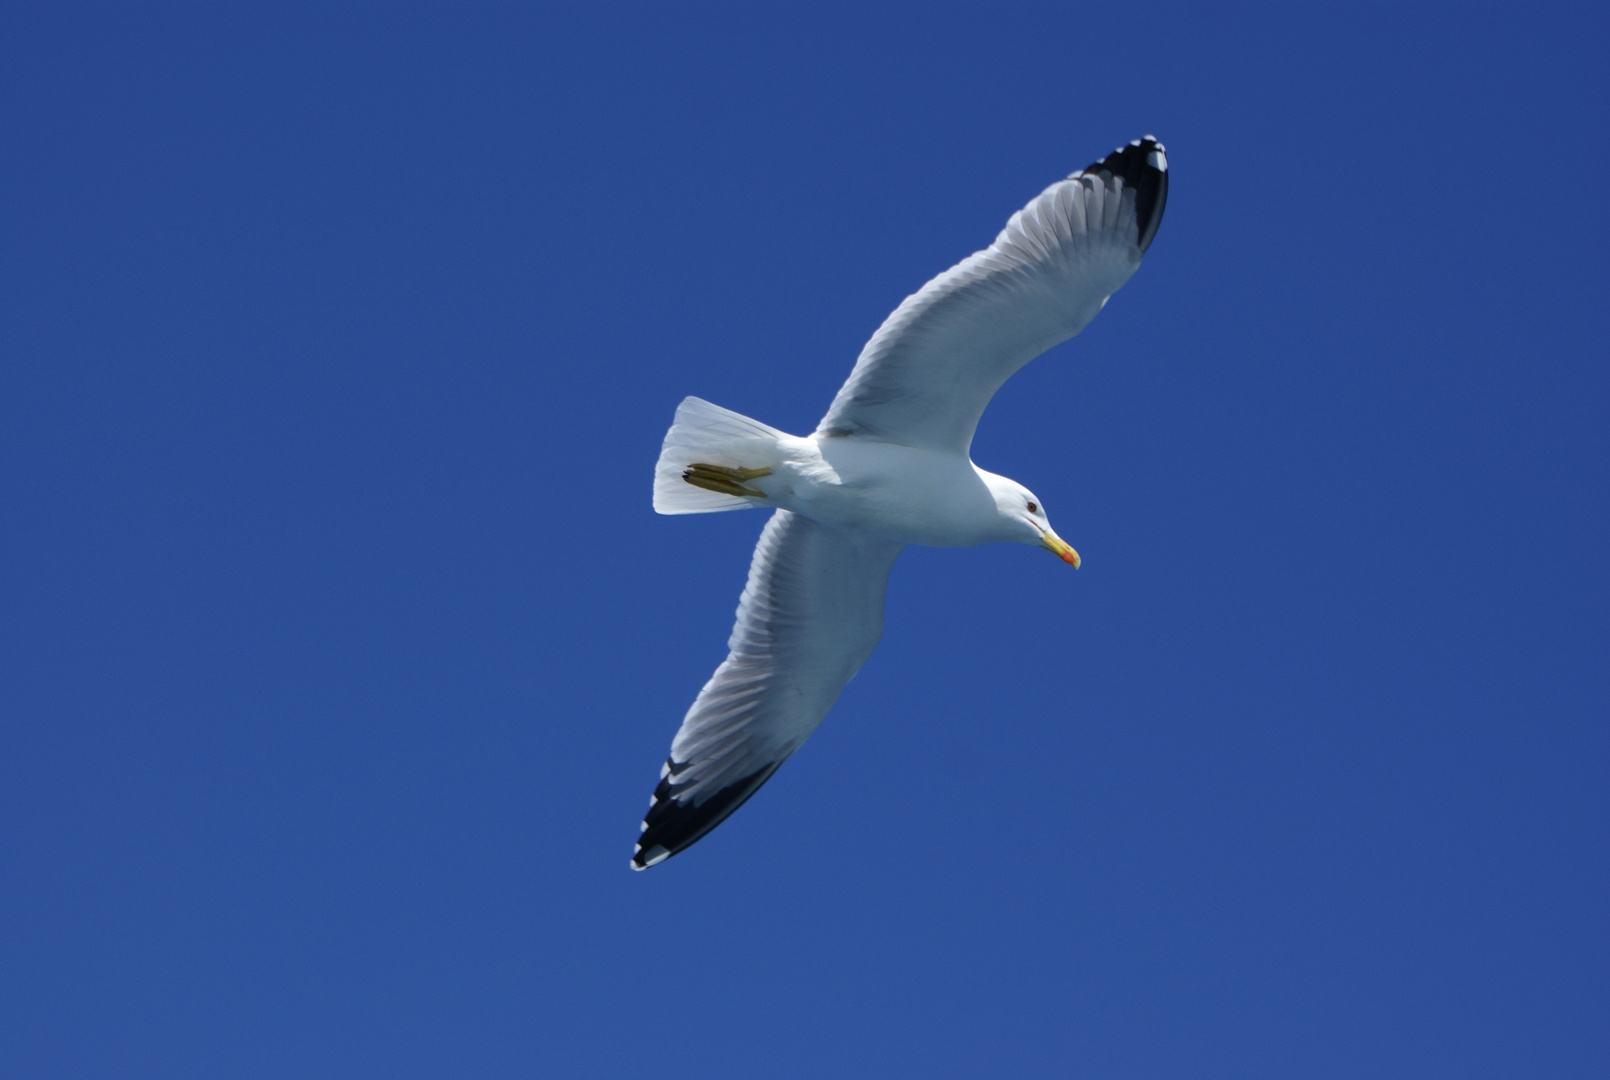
<point>907,494</point>
<point>888,466</point>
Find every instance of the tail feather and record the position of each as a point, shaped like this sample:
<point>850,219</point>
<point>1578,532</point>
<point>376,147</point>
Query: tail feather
<point>707,433</point>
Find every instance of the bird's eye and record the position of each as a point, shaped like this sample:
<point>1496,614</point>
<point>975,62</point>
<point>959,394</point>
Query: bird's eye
<point>1033,509</point>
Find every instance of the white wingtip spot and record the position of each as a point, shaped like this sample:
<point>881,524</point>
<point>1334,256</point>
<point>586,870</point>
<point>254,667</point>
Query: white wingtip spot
<point>1157,161</point>
<point>656,854</point>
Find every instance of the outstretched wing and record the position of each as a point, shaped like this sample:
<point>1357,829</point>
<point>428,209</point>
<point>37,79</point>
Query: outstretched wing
<point>927,374</point>
<point>810,616</point>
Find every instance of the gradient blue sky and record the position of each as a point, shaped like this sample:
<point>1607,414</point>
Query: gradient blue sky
<point>340,647</point>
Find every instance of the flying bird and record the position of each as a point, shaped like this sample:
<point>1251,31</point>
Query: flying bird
<point>887,466</point>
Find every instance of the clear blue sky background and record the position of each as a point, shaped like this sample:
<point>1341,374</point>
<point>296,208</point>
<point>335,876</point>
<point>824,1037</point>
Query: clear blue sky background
<point>341,648</point>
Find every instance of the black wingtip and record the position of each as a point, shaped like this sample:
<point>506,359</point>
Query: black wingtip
<point>1143,166</point>
<point>672,826</point>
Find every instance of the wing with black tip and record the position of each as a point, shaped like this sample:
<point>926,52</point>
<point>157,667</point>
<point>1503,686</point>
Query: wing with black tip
<point>810,615</point>
<point>927,374</point>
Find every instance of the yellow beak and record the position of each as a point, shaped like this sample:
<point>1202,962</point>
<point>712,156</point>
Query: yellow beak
<point>1054,543</point>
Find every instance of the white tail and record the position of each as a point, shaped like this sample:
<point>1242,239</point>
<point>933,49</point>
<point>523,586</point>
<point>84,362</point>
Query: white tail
<point>711,435</point>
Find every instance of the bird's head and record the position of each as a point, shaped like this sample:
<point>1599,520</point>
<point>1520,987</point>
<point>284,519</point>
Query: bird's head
<point>1022,517</point>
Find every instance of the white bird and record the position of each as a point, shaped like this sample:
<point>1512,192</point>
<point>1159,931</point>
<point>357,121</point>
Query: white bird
<point>888,466</point>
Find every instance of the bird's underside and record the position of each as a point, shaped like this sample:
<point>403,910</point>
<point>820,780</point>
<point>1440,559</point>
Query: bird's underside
<point>812,609</point>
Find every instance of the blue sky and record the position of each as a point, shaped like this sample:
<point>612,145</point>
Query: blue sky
<point>341,646</point>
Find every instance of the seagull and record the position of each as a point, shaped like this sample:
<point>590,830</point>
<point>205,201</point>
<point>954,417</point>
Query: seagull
<point>888,466</point>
